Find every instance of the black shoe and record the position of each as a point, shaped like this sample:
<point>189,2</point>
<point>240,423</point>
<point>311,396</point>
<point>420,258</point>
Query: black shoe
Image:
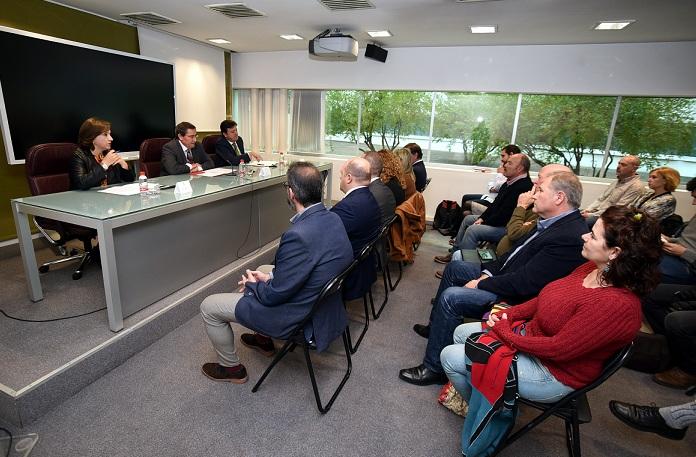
<point>432,301</point>
<point>263,344</point>
<point>422,330</point>
<point>422,376</point>
<point>645,418</point>
<point>217,372</point>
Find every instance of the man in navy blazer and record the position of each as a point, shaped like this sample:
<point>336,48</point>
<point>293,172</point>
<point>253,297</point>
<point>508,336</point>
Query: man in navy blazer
<point>418,166</point>
<point>361,217</point>
<point>314,250</point>
<point>230,148</point>
<point>550,251</point>
<point>183,154</point>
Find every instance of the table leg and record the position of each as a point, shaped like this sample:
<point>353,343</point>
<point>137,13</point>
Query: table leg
<point>26,248</point>
<point>109,271</point>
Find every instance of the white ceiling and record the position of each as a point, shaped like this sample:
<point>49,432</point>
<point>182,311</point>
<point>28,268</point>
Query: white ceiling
<point>418,22</point>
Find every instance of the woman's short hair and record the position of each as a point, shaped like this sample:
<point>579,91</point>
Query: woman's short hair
<point>89,130</point>
<point>638,236</point>
<point>404,156</point>
<point>306,182</point>
<point>670,175</point>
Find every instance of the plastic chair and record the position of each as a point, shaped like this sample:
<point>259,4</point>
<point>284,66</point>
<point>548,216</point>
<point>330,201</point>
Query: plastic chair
<point>334,286</point>
<point>47,172</point>
<point>574,408</point>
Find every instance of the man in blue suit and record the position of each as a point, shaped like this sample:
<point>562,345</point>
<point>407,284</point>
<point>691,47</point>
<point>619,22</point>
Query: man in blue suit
<point>312,251</point>
<point>361,217</point>
<point>230,148</point>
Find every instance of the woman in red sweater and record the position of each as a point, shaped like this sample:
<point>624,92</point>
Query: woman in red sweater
<point>578,322</point>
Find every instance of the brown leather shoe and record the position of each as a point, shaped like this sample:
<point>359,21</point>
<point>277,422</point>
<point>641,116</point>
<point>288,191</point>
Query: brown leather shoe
<point>675,378</point>
<point>443,258</point>
<point>438,274</point>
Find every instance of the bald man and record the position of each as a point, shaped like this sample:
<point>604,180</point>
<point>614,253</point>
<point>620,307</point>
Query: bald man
<point>621,192</point>
<point>361,217</point>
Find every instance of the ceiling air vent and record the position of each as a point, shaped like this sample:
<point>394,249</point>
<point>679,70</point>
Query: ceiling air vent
<point>340,5</point>
<point>150,18</point>
<point>235,10</point>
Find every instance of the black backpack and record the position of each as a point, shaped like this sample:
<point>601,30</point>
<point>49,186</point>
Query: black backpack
<point>448,217</point>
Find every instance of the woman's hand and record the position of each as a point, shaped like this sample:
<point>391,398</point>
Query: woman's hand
<point>493,318</point>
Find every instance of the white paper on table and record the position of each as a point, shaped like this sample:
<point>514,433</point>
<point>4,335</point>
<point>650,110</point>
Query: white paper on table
<point>214,172</point>
<point>126,189</point>
<point>263,163</point>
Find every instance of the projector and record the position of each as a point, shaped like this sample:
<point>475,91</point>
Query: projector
<point>334,45</point>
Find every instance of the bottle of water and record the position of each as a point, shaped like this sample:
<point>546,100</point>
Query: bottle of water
<point>242,169</point>
<point>281,159</point>
<point>142,183</point>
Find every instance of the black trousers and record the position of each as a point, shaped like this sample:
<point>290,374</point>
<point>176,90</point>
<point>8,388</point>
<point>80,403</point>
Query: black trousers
<point>656,305</point>
<point>680,329</point>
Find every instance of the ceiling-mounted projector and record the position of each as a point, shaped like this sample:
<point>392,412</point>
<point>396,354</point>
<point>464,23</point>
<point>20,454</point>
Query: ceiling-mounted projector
<point>333,45</point>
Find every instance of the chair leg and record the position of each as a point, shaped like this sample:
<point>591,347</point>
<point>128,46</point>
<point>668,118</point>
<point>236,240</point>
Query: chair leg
<point>354,347</point>
<point>386,291</point>
<point>573,435</point>
<point>393,286</point>
<point>289,346</point>
<point>327,407</point>
<point>77,274</point>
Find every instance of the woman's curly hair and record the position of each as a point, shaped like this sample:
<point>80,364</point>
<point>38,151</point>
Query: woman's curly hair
<point>638,236</point>
<point>391,168</point>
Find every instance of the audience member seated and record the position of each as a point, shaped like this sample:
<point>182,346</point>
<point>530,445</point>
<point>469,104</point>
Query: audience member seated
<point>679,254</point>
<point>671,311</point>
<point>659,201</point>
<point>477,203</point>
<point>551,251</point>
<point>94,163</point>
<point>622,192</point>
<point>183,154</point>
<point>523,218</point>
<point>361,218</point>
<point>490,226</point>
<point>312,251</point>
<point>418,166</point>
<point>230,148</point>
<point>404,156</point>
<point>564,337</point>
<point>669,421</point>
<point>384,196</point>
<point>392,175</point>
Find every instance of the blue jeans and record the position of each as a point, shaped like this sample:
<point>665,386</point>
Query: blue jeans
<point>675,270</point>
<point>476,233</point>
<point>535,382</point>
<point>453,303</point>
<point>468,220</point>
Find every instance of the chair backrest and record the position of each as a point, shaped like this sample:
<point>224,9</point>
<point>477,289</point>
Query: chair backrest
<point>151,156</point>
<point>209,148</point>
<point>47,167</point>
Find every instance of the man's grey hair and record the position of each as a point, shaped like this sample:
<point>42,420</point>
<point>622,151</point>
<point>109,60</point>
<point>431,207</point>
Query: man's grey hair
<point>570,185</point>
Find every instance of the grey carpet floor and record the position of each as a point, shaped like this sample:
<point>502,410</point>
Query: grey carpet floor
<point>159,403</point>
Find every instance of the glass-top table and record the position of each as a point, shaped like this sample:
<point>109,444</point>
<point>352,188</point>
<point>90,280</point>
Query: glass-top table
<point>168,233</point>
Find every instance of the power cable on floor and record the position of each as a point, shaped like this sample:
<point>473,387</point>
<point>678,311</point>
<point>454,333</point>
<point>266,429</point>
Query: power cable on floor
<point>49,320</point>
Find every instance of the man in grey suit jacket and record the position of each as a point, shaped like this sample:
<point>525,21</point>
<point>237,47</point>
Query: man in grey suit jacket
<point>384,196</point>
<point>312,251</point>
<point>183,154</point>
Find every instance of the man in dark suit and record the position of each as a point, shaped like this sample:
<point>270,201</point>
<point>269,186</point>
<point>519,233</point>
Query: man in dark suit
<point>549,252</point>
<point>183,154</point>
<point>382,193</point>
<point>230,148</point>
<point>360,215</point>
<point>312,251</point>
<point>418,166</point>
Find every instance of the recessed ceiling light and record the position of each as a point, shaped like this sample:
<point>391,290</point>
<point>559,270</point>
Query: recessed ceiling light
<point>379,33</point>
<point>613,25</point>
<point>219,40</point>
<point>484,28</point>
<point>291,37</point>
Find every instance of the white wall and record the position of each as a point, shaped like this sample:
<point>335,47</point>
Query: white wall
<point>657,69</point>
<point>199,76</point>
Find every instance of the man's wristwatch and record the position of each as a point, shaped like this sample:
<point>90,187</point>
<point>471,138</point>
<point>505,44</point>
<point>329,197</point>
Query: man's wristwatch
<point>104,166</point>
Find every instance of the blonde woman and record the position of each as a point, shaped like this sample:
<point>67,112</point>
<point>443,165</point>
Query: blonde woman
<point>659,201</point>
<point>404,156</point>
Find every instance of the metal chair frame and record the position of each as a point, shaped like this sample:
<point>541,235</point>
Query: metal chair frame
<point>297,337</point>
<point>574,408</point>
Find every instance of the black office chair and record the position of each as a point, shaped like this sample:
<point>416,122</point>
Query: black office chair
<point>362,256</point>
<point>46,168</point>
<point>574,408</point>
<point>297,337</point>
<point>381,246</point>
<point>392,285</point>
